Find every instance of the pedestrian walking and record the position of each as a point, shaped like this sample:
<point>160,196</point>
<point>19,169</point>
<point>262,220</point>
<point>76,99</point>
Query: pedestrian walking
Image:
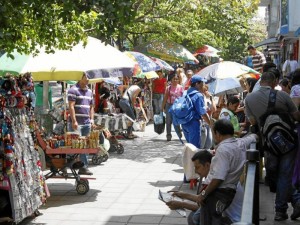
<point>173,91</point>
<point>192,129</point>
<point>158,89</point>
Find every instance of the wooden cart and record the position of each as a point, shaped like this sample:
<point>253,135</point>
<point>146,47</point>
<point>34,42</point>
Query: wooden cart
<point>58,160</point>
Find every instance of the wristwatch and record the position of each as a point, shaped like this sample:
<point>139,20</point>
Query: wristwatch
<point>203,193</point>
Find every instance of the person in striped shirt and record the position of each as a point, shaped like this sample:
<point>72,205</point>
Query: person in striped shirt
<point>258,58</point>
<point>81,109</point>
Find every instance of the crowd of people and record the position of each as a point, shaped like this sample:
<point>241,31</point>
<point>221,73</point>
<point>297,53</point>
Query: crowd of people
<point>223,128</point>
<point>220,127</point>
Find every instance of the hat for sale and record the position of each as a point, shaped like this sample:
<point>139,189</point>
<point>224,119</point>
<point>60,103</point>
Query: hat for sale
<point>197,78</point>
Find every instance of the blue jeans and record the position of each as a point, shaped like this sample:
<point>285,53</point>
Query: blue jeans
<point>283,166</point>
<point>192,132</point>
<point>194,217</point>
<point>128,110</point>
<point>157,100</point>
<point>169,122</point>
<point>206,136</point>
<point>84,130</point>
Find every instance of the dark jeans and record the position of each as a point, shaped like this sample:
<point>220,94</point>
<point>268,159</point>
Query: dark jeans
<point>215,204</point>
<point>169,122</point>
<point>280,171</point>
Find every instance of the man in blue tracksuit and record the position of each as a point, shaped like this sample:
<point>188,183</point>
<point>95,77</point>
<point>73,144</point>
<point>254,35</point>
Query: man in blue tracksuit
<point>192,129</point>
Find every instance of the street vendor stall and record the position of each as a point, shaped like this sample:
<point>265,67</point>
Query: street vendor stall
<point>21,177</point>
<point>21,174</point>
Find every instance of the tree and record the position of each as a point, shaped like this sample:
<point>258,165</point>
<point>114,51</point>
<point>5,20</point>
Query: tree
<point>26,24</point>
<point>220,23</point>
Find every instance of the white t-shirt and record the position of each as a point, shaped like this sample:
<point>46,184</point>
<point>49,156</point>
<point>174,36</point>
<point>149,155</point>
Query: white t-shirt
<point>293,64</point>
<point>295,91</point>
<point>257,86</point>
<point>131,90</point>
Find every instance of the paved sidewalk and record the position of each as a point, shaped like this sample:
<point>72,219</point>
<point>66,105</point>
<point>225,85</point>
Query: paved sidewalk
<point>126,187</point>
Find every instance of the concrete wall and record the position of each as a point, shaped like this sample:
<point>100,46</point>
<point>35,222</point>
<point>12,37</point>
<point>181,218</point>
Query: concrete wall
<point>274,18</point>
<point>294,15</point>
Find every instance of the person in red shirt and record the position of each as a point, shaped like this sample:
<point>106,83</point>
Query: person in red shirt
<point>158,90</point>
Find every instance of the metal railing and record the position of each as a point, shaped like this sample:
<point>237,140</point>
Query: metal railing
<point>250,210</point>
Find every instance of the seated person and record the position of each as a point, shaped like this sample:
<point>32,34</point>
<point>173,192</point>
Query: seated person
<point>229,113</point>
<point>202,161</point>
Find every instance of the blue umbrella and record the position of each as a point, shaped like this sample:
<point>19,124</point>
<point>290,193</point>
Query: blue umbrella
<point>162,64</point>
<point>144,62</point>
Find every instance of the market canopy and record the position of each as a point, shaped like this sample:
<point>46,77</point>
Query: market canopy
<point>144,63</point>
<point>225,69</point>
<point>166,50</point>
<point>95,59</point>
<point>207,50</point>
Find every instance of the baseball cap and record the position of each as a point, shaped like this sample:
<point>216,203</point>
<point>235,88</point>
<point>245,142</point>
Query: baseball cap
<point>197,78</point>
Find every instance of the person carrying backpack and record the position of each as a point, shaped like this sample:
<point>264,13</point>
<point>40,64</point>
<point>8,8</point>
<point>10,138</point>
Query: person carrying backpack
<point>189,110</point>
<point>282,166</point>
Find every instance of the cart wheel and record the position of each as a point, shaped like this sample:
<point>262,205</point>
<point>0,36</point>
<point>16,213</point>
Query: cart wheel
<point>120,149</point>
<point>105,157</point>
<point>82,187</point>
<point>97,160</point>
<point>85,181</point>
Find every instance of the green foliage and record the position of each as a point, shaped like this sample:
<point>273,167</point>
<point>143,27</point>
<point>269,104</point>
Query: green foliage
<point>224,24</point>
<point>193,23</point>
<point>27,24</point>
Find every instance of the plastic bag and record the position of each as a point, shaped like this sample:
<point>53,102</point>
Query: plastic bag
<point>158,118</point>
<point>159,128</point>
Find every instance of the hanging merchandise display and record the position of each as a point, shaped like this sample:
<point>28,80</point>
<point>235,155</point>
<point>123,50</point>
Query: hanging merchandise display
<point>20,168</point>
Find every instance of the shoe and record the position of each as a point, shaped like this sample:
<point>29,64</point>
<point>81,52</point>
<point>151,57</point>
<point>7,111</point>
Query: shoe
<point>169,138</point>
<point>296,211</point>
<point>77,165</point>
<point>280,216</point>
<point>85,171</point>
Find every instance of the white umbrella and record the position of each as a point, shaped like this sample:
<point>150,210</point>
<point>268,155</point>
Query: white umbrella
<point>228,85</point>
<point>96,59</point>
<point>225,69</point>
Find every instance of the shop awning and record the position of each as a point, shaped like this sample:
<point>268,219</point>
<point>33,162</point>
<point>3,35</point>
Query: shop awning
<point>270,41</point>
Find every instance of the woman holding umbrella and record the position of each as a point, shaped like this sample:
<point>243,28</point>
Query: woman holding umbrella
<point>173,91</point>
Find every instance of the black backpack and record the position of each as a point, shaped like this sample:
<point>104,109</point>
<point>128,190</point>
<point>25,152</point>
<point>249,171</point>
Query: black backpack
<point>277,129</point>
